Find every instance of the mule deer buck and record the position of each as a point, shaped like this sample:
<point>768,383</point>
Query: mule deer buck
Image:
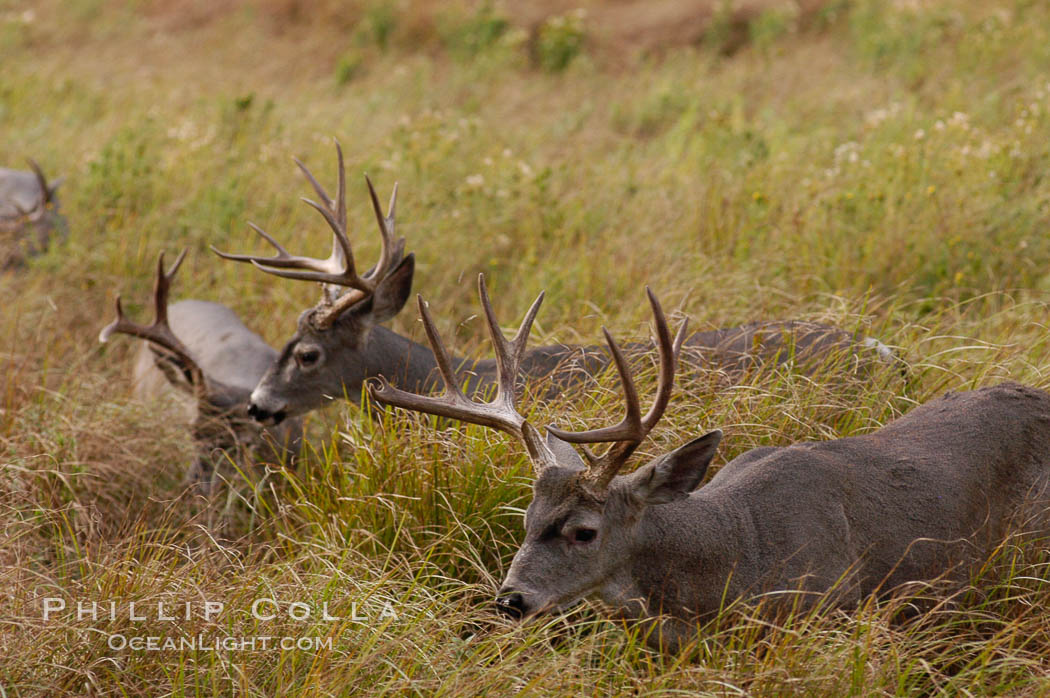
<point>341,342</point>
<point>202,349</point>
<point>28,214</point>
<point>852,516</point>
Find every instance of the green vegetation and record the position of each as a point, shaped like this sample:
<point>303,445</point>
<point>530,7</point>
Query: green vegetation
<point>881,166</point>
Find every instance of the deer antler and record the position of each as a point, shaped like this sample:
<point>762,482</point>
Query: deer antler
<point>160,333</point>
<point>46,192</point>
<point>499,413</point>
<point>339,269</point>
<point>634,427</point>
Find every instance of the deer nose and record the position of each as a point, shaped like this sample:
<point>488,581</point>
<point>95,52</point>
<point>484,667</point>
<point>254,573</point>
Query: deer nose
<point>511,604</point>
<point>261,414</point>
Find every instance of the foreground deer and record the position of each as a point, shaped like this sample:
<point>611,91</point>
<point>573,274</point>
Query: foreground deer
<point>28,214</point>
<point>853,516</point>
<point>204,350</point>
<point>341,342</point>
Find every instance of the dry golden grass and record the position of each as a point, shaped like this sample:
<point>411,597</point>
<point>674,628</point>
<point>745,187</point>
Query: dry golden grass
<point>877,166</point>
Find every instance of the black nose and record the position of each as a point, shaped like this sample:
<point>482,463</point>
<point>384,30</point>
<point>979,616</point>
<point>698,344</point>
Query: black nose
<point>263,415</point>
<point>511,604</point>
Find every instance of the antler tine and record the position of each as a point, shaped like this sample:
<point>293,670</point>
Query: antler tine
<point>392,249</point>
<point>633,429</point>
<point>499,413</point>
<point>630,427</point>
<point>390,255</point>
<point>321,193</point>
<point>340,242</point>
<point>161,287</point>
<point>338,269</point>
<point>441,355</point>
<point>41,180</point>
<point>452,402</point>
<point>508,353</point>
<point>159,333</point>
<point>668,352</point>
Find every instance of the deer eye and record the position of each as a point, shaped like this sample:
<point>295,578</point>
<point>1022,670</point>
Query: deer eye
<point>584,535</point>
<point>307,357</point>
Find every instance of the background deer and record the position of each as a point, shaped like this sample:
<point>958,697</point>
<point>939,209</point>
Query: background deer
<point>917,499</point>
<point>203,350</point>
<point>28,214</point>
<point>341,342</point>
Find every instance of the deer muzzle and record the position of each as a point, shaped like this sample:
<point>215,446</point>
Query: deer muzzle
<point>265,416</point>
<point>511,604</point>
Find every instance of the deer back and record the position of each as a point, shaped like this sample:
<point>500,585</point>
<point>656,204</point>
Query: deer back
<point>233,358</point>
<point>922,497</point>
<point>729,350</point>
<point>223,346</point>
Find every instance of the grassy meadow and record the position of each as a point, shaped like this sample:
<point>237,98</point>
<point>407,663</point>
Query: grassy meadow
<point>882,166</point>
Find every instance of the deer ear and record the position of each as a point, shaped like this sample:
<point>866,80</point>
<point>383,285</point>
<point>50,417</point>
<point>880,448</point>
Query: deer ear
<point>565,455</point>
<point>674,475</point>
<point>392,292</point>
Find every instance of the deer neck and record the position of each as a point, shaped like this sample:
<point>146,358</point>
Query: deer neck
<point>411,366</point>
<point>681,557</point>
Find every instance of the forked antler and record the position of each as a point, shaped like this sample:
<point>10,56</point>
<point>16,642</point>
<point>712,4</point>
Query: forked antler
<point>499,413</point>
<point>339,269</point>
<point>632,430</point>
<point>160,332</point>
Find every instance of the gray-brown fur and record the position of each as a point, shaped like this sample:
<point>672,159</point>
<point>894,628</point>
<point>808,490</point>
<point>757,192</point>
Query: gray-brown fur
<point>202,355</point>
<point>918,499</point>
<point>357,348</point>
<point>29,216</point>
<point>341,343</point>
<point>220,425</point>
<point>922,497</point>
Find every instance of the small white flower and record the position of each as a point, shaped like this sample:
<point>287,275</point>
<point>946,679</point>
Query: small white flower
<point>475,181</point>
<point>987,150</point>
<point>920,134</point>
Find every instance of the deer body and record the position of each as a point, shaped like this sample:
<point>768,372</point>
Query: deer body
<point>203,350</point>
<point>921,498</point>
<point>917,499</point>
<point>352,357</point>
<point>218,339</point>
<point>28,214</point>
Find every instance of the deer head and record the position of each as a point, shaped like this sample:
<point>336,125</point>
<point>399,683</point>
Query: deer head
<point>331,345</point>
<point>29,213</point>
<point>579,525</point>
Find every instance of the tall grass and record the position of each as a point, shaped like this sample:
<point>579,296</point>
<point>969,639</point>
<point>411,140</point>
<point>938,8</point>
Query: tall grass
<point>880,167</point>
